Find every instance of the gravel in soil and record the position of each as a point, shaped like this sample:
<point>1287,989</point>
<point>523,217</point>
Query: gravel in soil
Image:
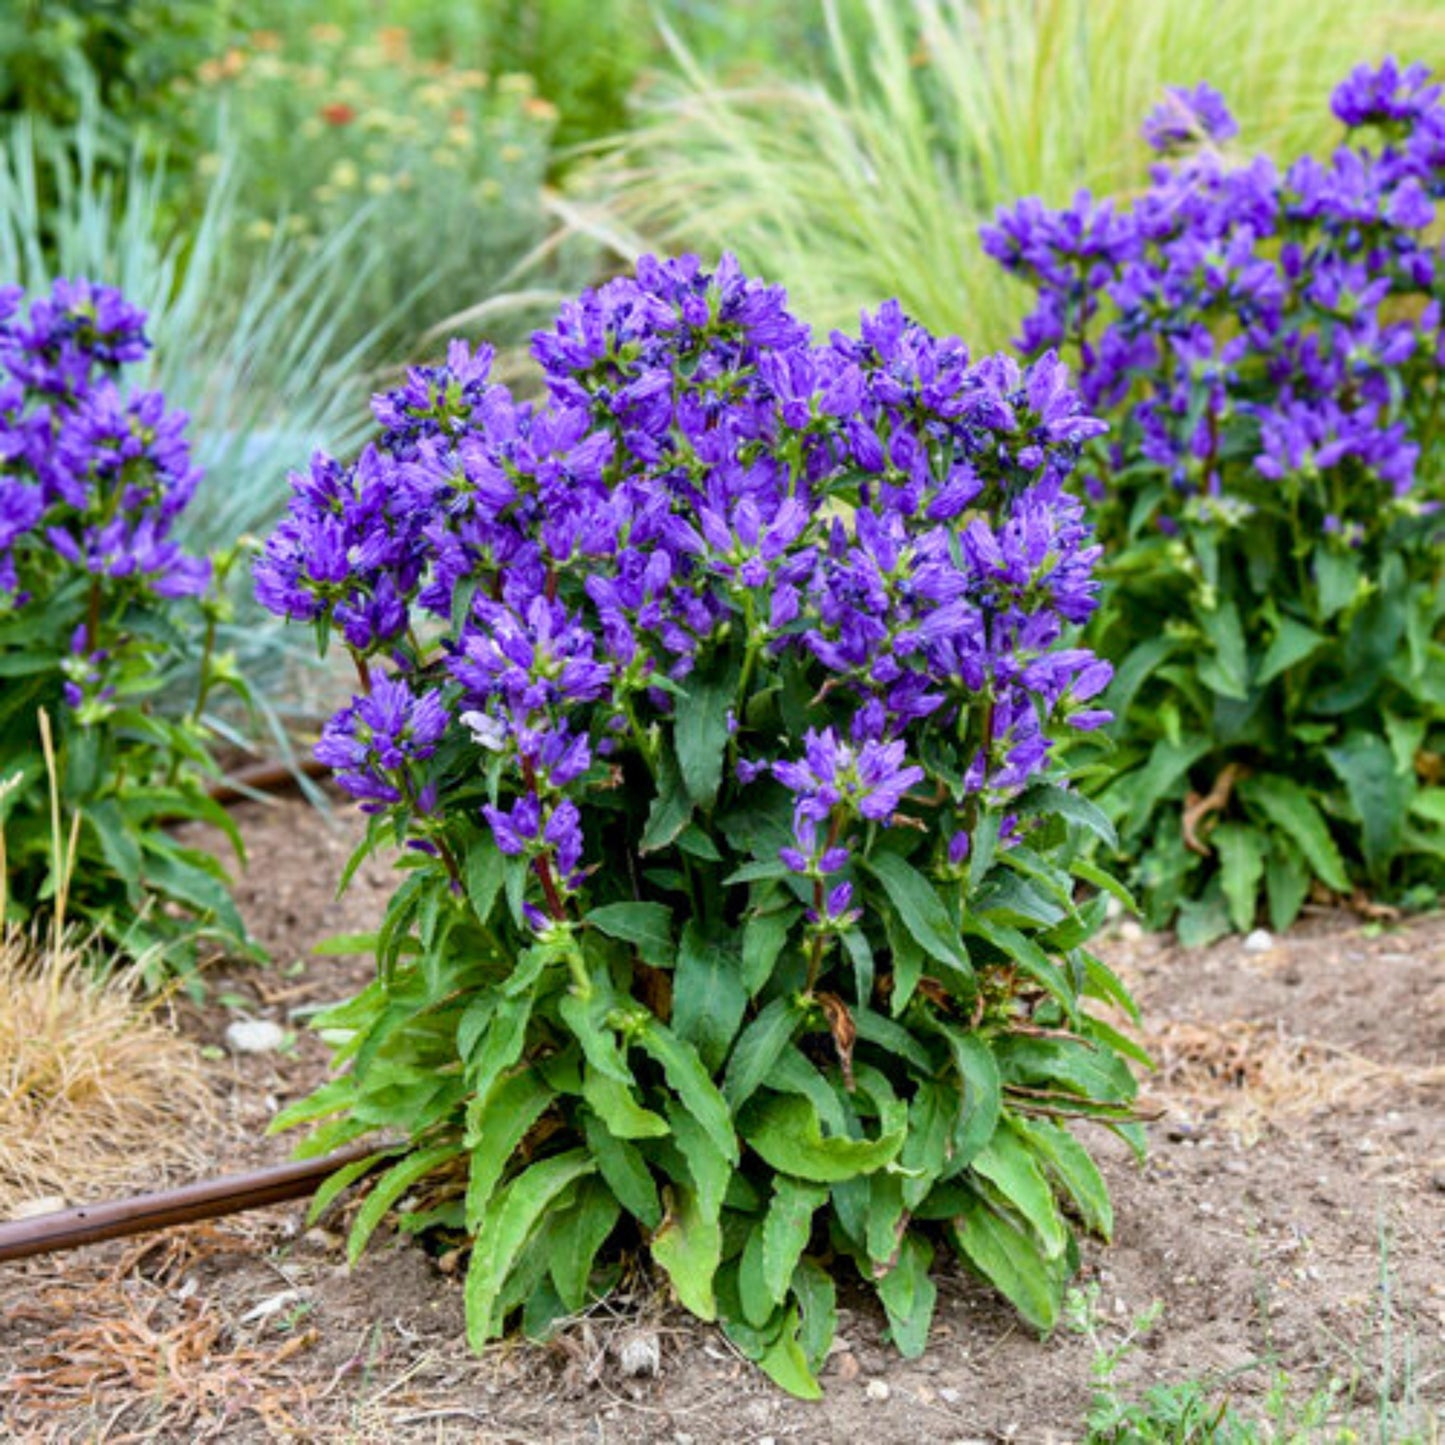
<point>1290,1218</point>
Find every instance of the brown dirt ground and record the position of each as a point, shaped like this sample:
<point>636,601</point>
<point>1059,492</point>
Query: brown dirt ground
<point>1291,1217</point>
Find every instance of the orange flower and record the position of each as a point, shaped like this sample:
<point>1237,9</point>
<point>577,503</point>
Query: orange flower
<point>338,113</point>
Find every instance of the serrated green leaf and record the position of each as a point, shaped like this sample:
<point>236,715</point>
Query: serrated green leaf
<point>671,807</point>
<point>1068,1065</point>
<point>711,1171</point>
<point>1293,644</point>
<point>647,926</point>
<point>909,1295</point>
<point>758,1048</point>
<point>764,936</point>
<point>688,1247</point>
<point>785,1362</point>
<point>757,1302</point>
<point>1241,851</point>
<point>625,1171</point>
<point>1068,1164</point>
<point>341,1180</point>
<point>509,1221</point>
<point>389,1188</point>
<point>485,872</point>
<point>701,729</point>
<point>496,1125</point>
<point>1007,1163</point>
<point>1049,800</point>
<point>577,1239</point>
<point>1379,792</point>
<point>687,1076</point>
<point>786,1131</point>
<point>981,1091</point>
<point>1286,805</point>
<point>617,1107</point>
<point>920,909</point>
<point>708,998</point>
<point>491,1035</point>
<point>785,1231</point>
<point>1010,1259</point>
<point>1287,881</point>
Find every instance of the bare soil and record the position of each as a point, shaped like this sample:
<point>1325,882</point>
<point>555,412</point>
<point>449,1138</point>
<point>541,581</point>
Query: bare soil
<point>1291,1217</point>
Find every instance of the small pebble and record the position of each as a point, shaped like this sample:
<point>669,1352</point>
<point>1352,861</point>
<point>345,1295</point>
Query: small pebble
<point>1131,930</point>
<point>949,1395</point>
<point>254,1036</point>
<point>878,1390</point>
<point>1260,941</point>
<point>640,1354</point>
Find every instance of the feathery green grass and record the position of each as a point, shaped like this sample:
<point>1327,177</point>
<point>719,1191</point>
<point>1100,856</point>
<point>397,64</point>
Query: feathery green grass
<point>871,179</point>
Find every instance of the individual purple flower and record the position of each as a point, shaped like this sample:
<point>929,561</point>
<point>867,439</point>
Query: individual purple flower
<point>1189,116</point>
<point>374,743</point>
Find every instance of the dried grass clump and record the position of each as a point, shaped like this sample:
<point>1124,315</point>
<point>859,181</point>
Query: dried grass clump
<point>97,1095</point>
<point>1250,1076</point>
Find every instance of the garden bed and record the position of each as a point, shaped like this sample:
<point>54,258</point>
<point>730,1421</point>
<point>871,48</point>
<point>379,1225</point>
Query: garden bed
<point>1291,1217</point>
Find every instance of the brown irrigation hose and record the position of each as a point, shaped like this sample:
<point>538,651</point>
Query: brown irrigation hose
<point>211,1198</point>
<point>265,778</point>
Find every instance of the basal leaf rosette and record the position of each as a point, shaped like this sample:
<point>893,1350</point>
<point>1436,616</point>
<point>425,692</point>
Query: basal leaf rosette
<point>720,701</point>
<point>1266,343</point>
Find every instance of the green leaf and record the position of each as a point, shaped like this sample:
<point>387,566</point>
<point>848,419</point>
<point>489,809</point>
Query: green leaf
<point>758,1049</point>
<point>1287,881</point>
<point>817,1296</point>
<point>1242,851</point>
<point>710,1169</point>
<point>389,1188</point>
<point>700,728</point>
<point>708,997</point>
<point>1135,671</point>
<point>909,1295</point>
<point>1010,1167</point>
<point>491,1036</point>
<point>588,1019</point>
<point>1138,793</point>
<point>1070,1065</point>
<point>618,1108</point>
<point>496,1125</point>
<point>786,1131</point>
<point>117,845</point>
<point>1293,643</point>
<point>1049,800</point>
<point>1020,949</point>
<point>342,1179</point>
<point>1379,792</point>
<point>1227,671</point>
<point>671,807</point>
<point>647,926</point>
<point>785,1231</point>
<point>485,871</point>
<point>689,1249</point>
<point>586,1228</point>
<point>625,1170</point>
<point>686,1074</point>
<point>1286,805</point>
<point>920,909</point>
<point>982,1093</point>
<point>1068,1164</point>
<point>1010,1259</point>
<point>764,935</point>
<point>1337,575</point>
<point>785,1362</point>
<point>510,1220</point>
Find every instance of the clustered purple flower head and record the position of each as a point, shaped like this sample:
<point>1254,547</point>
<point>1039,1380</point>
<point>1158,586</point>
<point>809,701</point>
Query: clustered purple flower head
<point>1259,322</point>
<point>705,483</point>
<point>1188,117</point>
<point>90,475</point>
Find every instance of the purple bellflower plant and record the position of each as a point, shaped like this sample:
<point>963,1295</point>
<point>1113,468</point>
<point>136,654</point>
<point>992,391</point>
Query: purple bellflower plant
<point>98,601</point>
<point>1266,342</point>
<point>733,677</point>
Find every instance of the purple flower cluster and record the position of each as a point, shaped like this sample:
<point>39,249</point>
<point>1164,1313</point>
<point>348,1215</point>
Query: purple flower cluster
<point>703,483</point>
<point>1252,316</point>
<point>90,475</point>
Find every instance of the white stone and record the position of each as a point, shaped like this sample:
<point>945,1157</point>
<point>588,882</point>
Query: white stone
<point>878,1390</point>
<point>1131,930</point>
<point>640,1353</point>
<point>254,1036</point>
<point>1260,941</point>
